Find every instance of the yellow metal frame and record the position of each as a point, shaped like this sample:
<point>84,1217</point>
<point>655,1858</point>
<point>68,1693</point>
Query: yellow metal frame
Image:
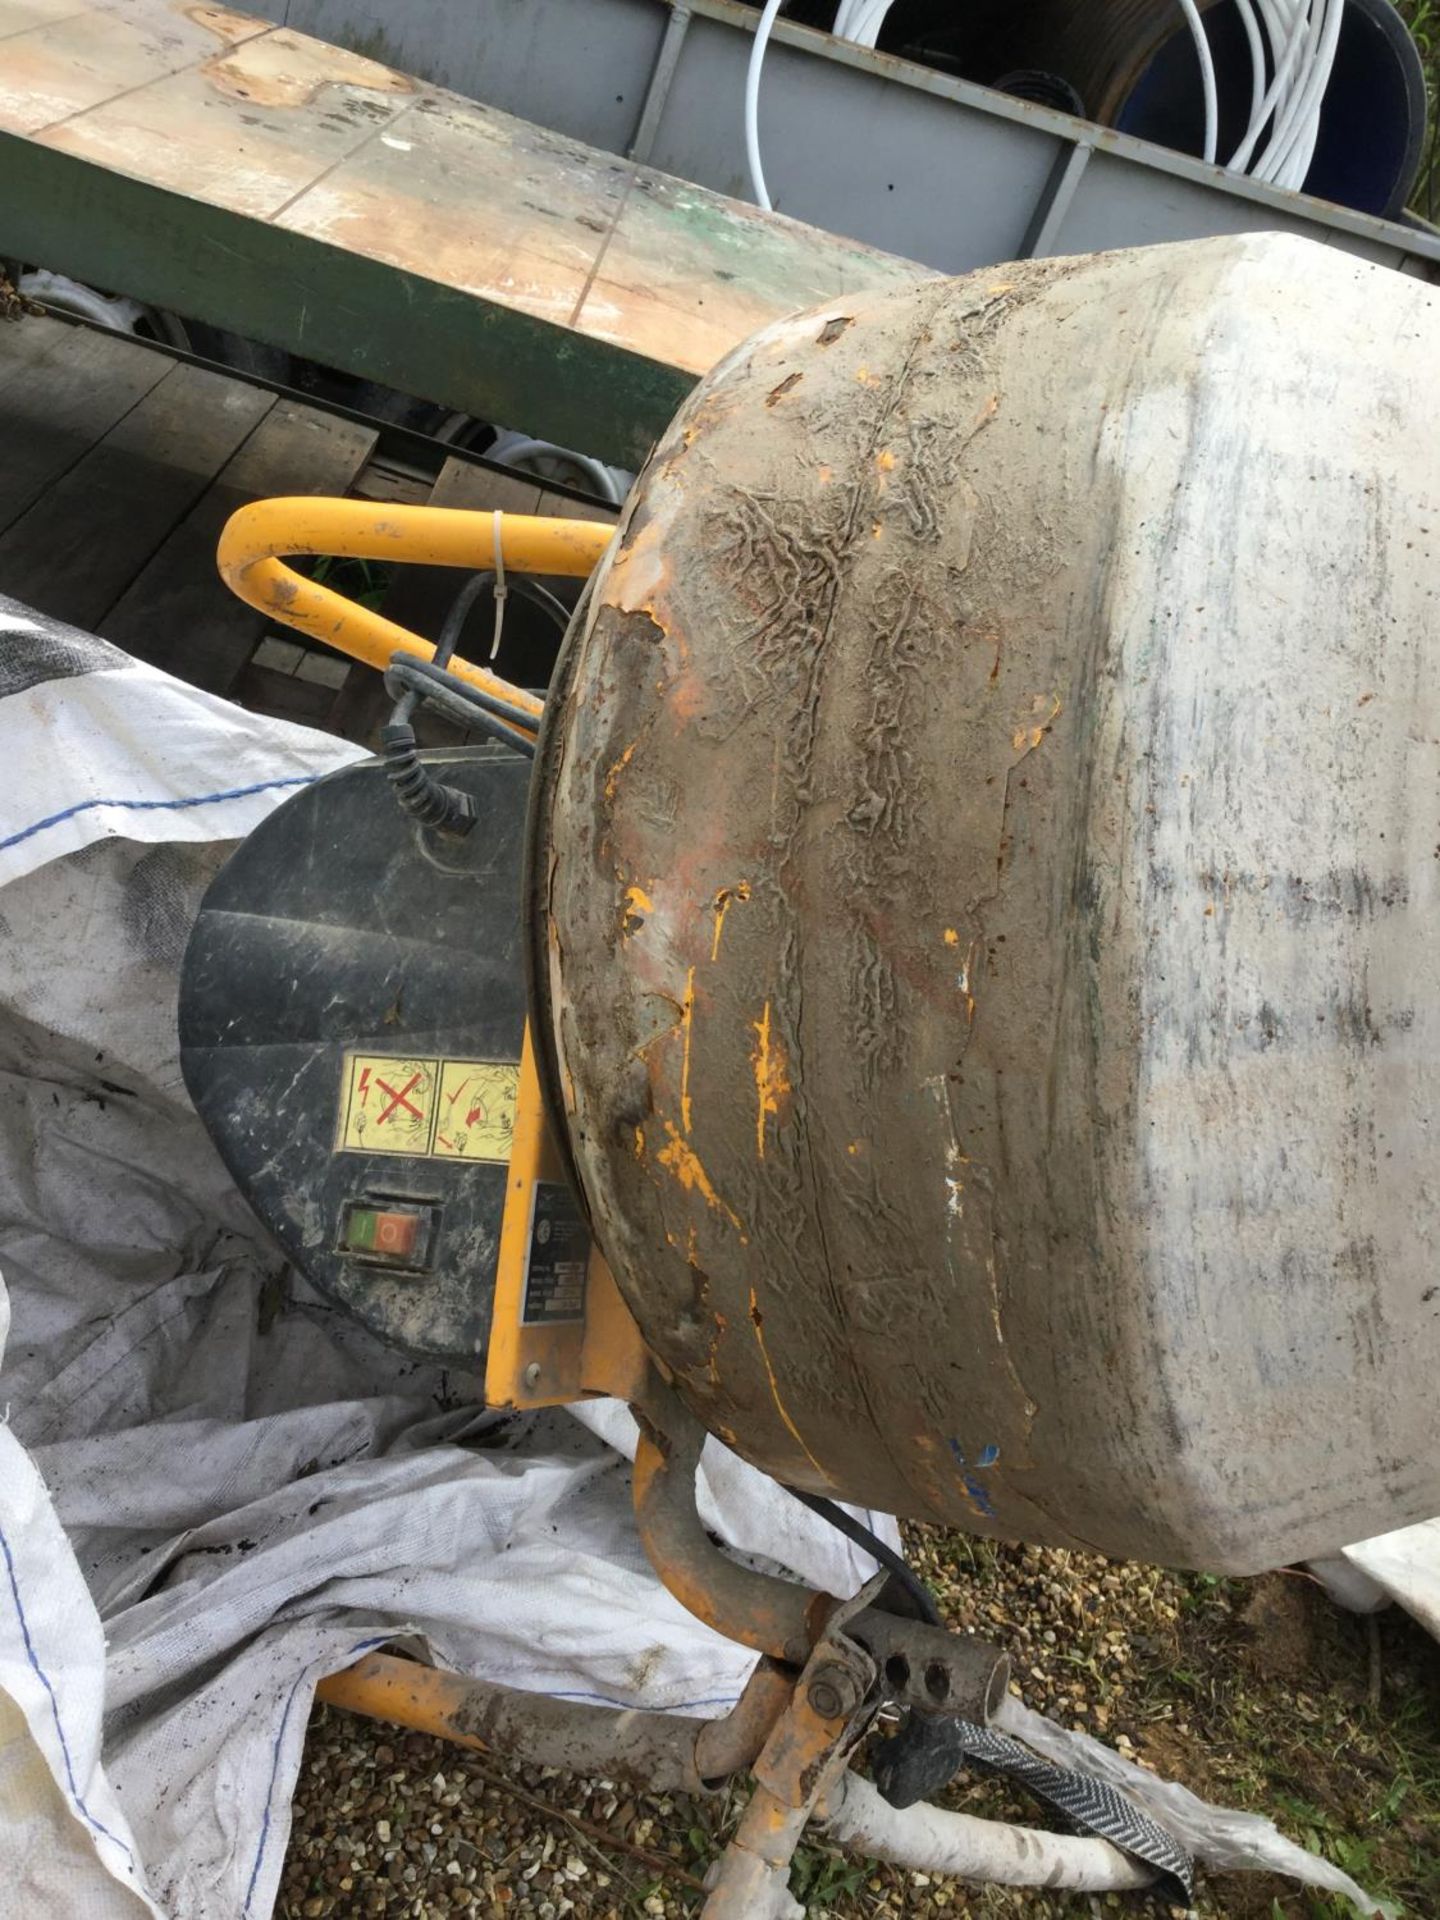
<point>259,538</point>
<point>548,1365</point>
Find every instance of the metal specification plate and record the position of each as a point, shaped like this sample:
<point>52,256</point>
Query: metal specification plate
<point>558,1256</point>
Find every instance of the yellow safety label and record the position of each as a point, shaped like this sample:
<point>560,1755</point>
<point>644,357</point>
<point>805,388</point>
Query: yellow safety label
<point>475,1115</point>
<point>389,1103</point>
<point>441,1109</point>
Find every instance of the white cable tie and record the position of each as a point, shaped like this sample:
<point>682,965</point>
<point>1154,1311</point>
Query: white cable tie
<point>500,587</point>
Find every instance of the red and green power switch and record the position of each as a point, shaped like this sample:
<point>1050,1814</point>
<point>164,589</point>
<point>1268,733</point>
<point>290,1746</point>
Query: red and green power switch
<point>385,1231</point>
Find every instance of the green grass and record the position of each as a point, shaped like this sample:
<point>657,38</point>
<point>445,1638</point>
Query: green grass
<point>1422,17</point>
<point>363,581</point>
<point>826,1882</point>
<point>1352,1781</point>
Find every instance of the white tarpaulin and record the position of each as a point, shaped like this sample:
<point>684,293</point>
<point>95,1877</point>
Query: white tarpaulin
<point>214,1487</point>
<point>98,745</point>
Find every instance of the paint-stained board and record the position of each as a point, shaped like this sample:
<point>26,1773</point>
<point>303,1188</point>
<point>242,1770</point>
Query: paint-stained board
<point>255,179</point>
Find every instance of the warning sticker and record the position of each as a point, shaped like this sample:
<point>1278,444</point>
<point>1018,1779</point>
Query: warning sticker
<point>389,1104</point>
<point>475,1116</point>
<point>439,1109</point>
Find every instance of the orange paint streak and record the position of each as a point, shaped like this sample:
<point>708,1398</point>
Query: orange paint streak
<point>682,1160</point>
<point>771,1079</point>
<point>638,906</point>
<point>757,1320</point>
<point>687,1021</point>
<point>1028,738</point>
<point>712,1360</point>
<point>612,778</point>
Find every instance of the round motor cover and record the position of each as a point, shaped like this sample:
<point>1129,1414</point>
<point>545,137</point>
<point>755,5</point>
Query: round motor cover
<point>985,876</point>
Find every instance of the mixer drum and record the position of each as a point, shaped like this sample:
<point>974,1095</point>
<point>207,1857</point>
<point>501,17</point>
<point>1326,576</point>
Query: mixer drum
<point>984,875</point>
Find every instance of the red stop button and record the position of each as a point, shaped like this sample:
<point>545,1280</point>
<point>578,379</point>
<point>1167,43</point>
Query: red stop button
<point>396,1233</point>
<point>386,1233</point>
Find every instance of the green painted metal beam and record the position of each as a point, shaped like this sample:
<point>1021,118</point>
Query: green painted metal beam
<point>343,309</point>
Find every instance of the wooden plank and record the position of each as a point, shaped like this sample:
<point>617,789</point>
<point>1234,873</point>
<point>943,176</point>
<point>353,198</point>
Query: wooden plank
<point>177,613</point>
<point>76,551</point>
<point>381,480</point>
<point>674,281</point>
<point>298,195</point>
<point>23,16</point>
<point>284,695</point>
<point>342,308</point>
<point>166,131</point>
<point>62,388</point>
<point>62,66</point>
<point>535,243</point>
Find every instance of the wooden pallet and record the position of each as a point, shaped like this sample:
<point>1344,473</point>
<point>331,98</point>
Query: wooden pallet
<point>128,464</point>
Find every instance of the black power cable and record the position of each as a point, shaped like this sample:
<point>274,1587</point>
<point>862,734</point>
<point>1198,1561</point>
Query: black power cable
<point>456,614</point>
<point>428,801</point>
<point>460,700</point>
<point>460,606</point>
<point>860,1535</point>
<point>413,681</point>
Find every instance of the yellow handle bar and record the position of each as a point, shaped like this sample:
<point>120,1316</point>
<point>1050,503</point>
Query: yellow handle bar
<point>260,536</point>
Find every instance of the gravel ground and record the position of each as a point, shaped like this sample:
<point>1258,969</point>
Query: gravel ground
<point>1258,1693</point>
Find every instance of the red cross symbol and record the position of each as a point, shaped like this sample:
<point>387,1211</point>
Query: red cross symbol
<point>398,1099</point>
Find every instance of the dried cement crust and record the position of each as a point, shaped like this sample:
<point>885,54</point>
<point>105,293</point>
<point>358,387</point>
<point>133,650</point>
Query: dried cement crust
<point>980,986</point>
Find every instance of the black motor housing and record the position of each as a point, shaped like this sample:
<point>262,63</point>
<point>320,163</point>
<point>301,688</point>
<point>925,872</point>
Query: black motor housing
<point>352,1009</point>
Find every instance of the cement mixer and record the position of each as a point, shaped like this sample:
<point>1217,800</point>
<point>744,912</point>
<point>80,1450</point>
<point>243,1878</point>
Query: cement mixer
<point>941,994</point>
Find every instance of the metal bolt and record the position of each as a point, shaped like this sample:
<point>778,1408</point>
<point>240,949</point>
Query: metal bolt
<point>532,1375</point>
<point>833,1692</point>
